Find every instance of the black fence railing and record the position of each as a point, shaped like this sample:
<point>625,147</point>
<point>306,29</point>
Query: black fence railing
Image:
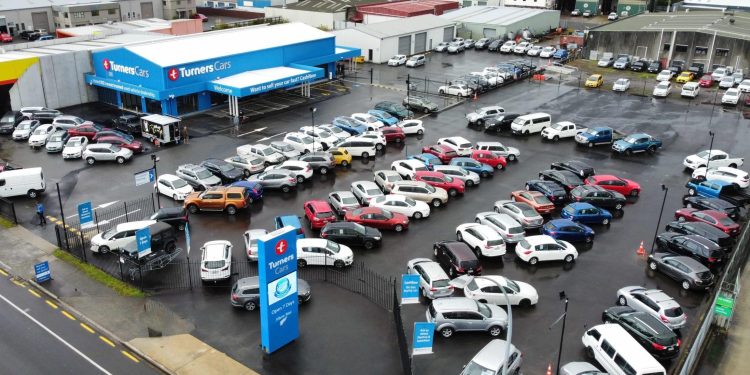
<point>8,210</point>
<point>403,344</point>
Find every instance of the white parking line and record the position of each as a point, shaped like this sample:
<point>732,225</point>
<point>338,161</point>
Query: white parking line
<point>117,217</point>
<point>253,131</point>
<point>267,138</point>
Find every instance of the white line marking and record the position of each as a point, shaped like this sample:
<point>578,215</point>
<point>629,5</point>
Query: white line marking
<point>117,217</point>
<point>252,131</point>
<point>73,348</point>
<point>273,136</point>
<point>103,205</point>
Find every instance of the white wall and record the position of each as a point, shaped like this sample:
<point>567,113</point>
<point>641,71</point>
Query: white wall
<point>355,38</point>
<point>313,19</point>
<point>375,18</point>
<point>24,16</point>
<point>530,3</point>
<point>26,91</point>
<point>134,6</point>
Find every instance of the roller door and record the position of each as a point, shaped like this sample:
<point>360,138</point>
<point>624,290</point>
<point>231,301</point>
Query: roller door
<point>40,21</point>
<point>147,10</point>
<point>448,34</point>
<point>420,42</point>
<point>404,45</point>
<point>489,33</point>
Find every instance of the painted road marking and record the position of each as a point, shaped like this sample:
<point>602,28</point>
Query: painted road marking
<point>53,334</point>
<point>34,293</point>
<point>84,326</point>
<point>253,131</point>
<point>67,315</point>
<point>132,357</point>
<point>19,283</point>
<point>2,271</point>
<point>106,340</point>
<point>273,136</point>
<point>52,305</point>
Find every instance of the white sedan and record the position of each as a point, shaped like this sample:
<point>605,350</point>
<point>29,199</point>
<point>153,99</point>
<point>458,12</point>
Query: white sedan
<point>487,289</point>
<point>302,142</point>
<point>411,127</point>
<point>562,129</point>
<point>543,248</point>
<point>371,121</point>
<point>458,90</point>
<point>482,239</point>
<point>74,147</point>
<point>730,175</point>
<point>403,205</point>
<point>173,187</point>
<point>397,60</point>
<point>664,75</point>
<point>663,89</point>
<point>547,52</point>
<point>744,86</point>
<point>621,85</point>
<point>731,97</point>
<point>534,51</point>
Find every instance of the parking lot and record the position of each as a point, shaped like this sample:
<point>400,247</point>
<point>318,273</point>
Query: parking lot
<point>342,332</point>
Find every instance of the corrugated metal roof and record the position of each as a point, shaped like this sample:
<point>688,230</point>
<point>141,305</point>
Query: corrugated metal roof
<point>408,8</point>
<point>400,27</point>
<point>327,6</point>
<point>7,5</point>
<point>493,15</point>
<point>707,22</point>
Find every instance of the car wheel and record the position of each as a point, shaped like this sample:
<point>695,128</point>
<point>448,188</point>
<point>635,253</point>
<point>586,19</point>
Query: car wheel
<point>365,155</point>
<point>344,163</point>
<point>120,160</point>
<point>426,110</point>
<point>629,152</point>
<point>441,92</point>
<point>285,188</point>
<point>485,174</point>
<point>495,331</point>
<point>459,236</point>
<point>685,285</point>
<point>90,161</point>
<point>250,306</point>
<point>653,266</point>
<point>497,210</point>
<point>379,147</point>
<point>589,239</point>
<point>452,192</point>
<point>369,245</point>
<point>688,205</point>
<point>301,263</point>
<point>512,157</point>
<point>513,198</point>
<point>452,273</point>
<point>181,226</point>
<point>480,122</point>
<point>499,167</point>
<point>733,165</point>
<point>533,261</point>
<point>323,170</point>
<point>526,133</point>
<point>231,210</point>
<point>568,258</point>
<point>590,353</point>
<point>193,209</point>
<point>446,332</point>
<point>469,183</point>
<point>104,249</point>
<point>398,228</point>
<point>634,193</point>
<point>436,202</point>
<point>477,251</point>
<point>170,247</point>
<point>618,206</point>
<point>266,164</point>
<point>32,194</point>
<point>420,132</point>
<point>652,150</point>
<point>590,144</point>
<point>605,222</point>
<point>339,264</point>
<point>417,215</point>
<point>527,188</point>
<point>622,301</point>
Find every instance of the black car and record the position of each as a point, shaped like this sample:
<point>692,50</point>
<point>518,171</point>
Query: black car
<point>567,179</point>
<point>578,167</point>
<point>9,121</point>
<point>697,69</point>
<point>707,252</point>
<point>163,240</point>
<point>717,204</point>
<point>677,67</point>
<point>495,45</point>
<point>639,65</point>
<point>46,116</point>
<point>352,234</point>
<point>456,258</point>
<point>177,217</point>
<point>654,67</point>
<point>598,196</point>
<point>228,173</point>
<point>501,122</point>
<point>130,124</point>
<point>552,190</point>
<point>651,333</point>
<point>704,230</point>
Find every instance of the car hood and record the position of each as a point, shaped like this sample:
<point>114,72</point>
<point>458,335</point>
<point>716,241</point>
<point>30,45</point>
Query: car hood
<point>73,149</point>
<point>303,288</point>
<point>694,159</point>
<point>213,180</point>
<point>498,313</point>
<point>372,232</point>
<point>620,144</point>
<point>97,240</point>
<point>21,131</point>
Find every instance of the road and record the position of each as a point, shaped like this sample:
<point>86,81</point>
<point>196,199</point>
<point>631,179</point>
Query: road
<point>37,336</point>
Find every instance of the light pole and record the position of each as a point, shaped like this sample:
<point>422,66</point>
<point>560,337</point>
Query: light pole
<point>710,150</point>
<point>408,92</point>
<point>562,334</point>
<point>665,189</point>
<point>156,179</point>
<point>312,119</point>
<point>509,334</point>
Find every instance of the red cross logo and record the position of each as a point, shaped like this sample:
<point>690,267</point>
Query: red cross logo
<point>281,247</point>
<point>106,64</point>
<point>173,74</point>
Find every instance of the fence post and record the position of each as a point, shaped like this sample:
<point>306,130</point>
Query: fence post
<point>13,208</point>
<point>83,248</point>
<point>126,211</point>
<point>325,273</point>
<point>119,262</point>
<point>153,205</point>
<point>140,276</point>
<point>190,275</point>
<point>96,220</point>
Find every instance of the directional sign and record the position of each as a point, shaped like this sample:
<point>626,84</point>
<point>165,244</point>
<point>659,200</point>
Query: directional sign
<point>85,215</point>
<point>144,177</point>
<point>724,306</point>
<point>143,240</point>
<point>424,332</point>
<point>41,272</point>
<point>409,289</point>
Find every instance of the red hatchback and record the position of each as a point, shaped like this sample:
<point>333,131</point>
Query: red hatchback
<point>706,80</point>
<point>489,158</point>
<point>378,218</point>
<point>452,185</point>
<point>132,145</point>
<point>319,213</point>
<point>88,131</point>
<point>6,38</point>
<point>535,199</point>
<point>393,134</point>
<point>716,219</point>
<point>621,185</point>
<point>444,153</point>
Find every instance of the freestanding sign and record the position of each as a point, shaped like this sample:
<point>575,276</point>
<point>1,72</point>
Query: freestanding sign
<point>277,273</point>
<point>144,177</point>
<point>41,272</point>
<point>409,289</point>
<point>724,306</point>
<point>424,332</point>
<point>85,215</point>
<point>143,240</point>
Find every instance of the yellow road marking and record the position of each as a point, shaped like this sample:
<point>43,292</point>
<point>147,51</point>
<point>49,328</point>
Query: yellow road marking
<point>19,284</point>
<point>67,315</point>
<point>132,357</point>
<point>52,305</point>
<point>37,295</point>
<point>3,272</point>
<point>106,340</point>
<point>84,326</point>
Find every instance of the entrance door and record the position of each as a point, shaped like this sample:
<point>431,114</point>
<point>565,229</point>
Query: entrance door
<point>420,42</point>
<point>369,55</point>
<point>404,45</point>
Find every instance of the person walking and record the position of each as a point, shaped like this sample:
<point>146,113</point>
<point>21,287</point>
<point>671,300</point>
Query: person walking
<point>40,213</point>
<point>185,134</point>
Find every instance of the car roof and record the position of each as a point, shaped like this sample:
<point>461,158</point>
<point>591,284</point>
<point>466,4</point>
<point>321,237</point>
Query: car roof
<point>539,239</point>
<point>492,355</point>
<point>366,184</point>
<point>581,205</point>
<point>693,264</point>
<point>248,282</point>
<point>433,268</point>
<point>214,250</point>
<point>459,249</point>
<point>563,223</point>
<point>317,242</point>
<point>319,205</point>
<point>455,304</point>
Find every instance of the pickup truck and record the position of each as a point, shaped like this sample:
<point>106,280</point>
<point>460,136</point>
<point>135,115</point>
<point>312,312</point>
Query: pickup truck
<point>599,136</point>
<point>718,189</point>
<point>633,143</point>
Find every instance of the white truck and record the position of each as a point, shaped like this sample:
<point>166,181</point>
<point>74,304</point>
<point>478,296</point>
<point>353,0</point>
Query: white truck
<point>562,129</point>
<point>718,159</point>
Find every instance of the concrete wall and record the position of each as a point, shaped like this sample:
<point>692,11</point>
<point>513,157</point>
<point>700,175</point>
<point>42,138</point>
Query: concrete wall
<point>17,17</point>
<point>307,17</point>
<point>25,92</point>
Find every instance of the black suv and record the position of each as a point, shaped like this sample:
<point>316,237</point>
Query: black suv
<point>697,69</point>
<point>228,173</point>
<point>567,179</point>
<point>501,122</point>
<point>677,67</point>
<point>652,334</point>
<point>352,234</point>
<point>598,196</point>
<point>163,240</point>
<point>654,67</point>
<point>639,65</point>
<point>130,124</point>
<point>578,167</point>
<point>552,190</point>
<point>707,252</point>
<point>456,258</point>
<point>717,204</point>
<point>177,217</point>
<point>704,230</point>
<point>9,121</point>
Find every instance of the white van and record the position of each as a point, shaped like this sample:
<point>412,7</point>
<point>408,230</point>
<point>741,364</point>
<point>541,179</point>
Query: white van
<point>362,147</point>
<point>618,352</point>
<point>533,123</point>
<point>27,181</point>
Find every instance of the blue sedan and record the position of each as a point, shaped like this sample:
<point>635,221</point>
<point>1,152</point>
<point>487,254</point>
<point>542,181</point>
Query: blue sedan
<point>483,170</point>
<point>429,160</point>
<point>586,213</point>
<point>384,117</point>
<point>350,125</point>
<point>568,230</point>
<point>254,189</point>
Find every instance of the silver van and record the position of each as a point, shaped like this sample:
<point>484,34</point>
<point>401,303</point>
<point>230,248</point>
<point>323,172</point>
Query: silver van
<point>452,314</point>
<point>433,281</point>
<point>491,358</point>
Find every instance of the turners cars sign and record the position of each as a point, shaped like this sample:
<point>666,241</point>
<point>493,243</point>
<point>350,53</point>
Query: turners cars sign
<point>186,72</point>
<point>111,66</point>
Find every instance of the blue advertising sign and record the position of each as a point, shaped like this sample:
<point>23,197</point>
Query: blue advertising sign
<point>424,332</point>
<point>85,215</point>
<point>41,272</point>
<point>409,289</point>
<point>277,273</point>
<point>187,237</point>
<point>144,177</point>
<point>143,240</point>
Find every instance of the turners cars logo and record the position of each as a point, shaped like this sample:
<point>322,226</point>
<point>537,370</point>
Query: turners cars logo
<point>112,66</point>
<point>217,66</point>
<point>173,74</point>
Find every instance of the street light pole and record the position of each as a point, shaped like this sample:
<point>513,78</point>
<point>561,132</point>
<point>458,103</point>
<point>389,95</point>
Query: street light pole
<point>312,115</point>
<point>658,223</point>
<point>408,92</point>
<point>562,334</point>
<point>509,334</point>
<point>710,150</point>
<point>156,180</point>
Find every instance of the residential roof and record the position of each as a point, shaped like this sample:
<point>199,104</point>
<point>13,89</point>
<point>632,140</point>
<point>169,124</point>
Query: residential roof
<point>707,22</point>
<point>8,5</point>
<point>393,28</point>
<point>495,15</point>
<point>409,8</point>
<point>327,6</point>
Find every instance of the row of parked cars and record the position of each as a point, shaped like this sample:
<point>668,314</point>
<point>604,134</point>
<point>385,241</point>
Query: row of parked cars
<point>502,45</point>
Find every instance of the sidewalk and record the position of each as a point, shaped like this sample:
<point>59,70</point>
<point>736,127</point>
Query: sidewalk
<point>126,319</point>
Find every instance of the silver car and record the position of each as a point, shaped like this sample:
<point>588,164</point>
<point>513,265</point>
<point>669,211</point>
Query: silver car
<point>246,293</point>
<point>654,302</point>
<point>56,141</point>
<point>506,226</point>
<point>106,152</point>
<point>282,179</point>
<point>580,368</point>
<point>468,177</point>
<point>320,161</point>
<point>249,164</point>
<point>342,201</point>
<point>433,281</point>
<point>365,190</point>
<point>285,149</point>
<point>491,359</point>
<point>520,211</point>
<point>197,176</point>
<point>251,242</point>
<point>687,271</point>
<point>453,314</point>
<point>385,178</point>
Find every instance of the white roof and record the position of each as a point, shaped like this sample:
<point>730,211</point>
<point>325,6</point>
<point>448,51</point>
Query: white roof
<point>540,239</point>
<point>6,5</point>
<point>206,46</point>
<point>495,15</point>
<point>260,76</point>
<point>401,27</point>
<point>160,119</point>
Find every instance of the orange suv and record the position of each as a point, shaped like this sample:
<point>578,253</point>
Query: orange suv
<point>220,198</point>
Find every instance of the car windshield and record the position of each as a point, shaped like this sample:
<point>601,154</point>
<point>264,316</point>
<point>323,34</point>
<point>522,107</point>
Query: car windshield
<point>306,140</point>
<point>349,200</point>
<point>179,183</point>
<point>115,149</point>
<point>74,143</point>
<point>38,131</point>
<point>214,264</point>
<point>727,79</point>
<point>109,233</point>
<point>527,211</point>
<point>410,201</point>
<point>324,214</point>
<point>484,310</point>
<point>726,221</point>
<point>541,199</point>
<point>621,81</point>
<point>474,368</point>
<point>703,154</point>
<point>324,134</point>
<point>516,230</point>
<point>267,151</point>
<point>630,139</point>
<point>203,174</point>
<point>225,167</point>
<point>662,85</point>
<point>282,147</point>
<point>594,78</point>
<point>387,214</point>
<point>334,247</point>
<point>374,192</point>
<point>430,188</point>
<point>673,312</point>
<point>557,126</point>
<point>728,93</point>
<point>56,138</point>
<point>24,126</point>
<point>591,131</point>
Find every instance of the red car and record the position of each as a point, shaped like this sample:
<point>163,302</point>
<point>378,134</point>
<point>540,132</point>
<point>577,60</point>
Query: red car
<point>123,142</point>
<point>393,134</point>
<point>452,185</point>
<point>535,199</point>
<point>378,218</point>
<point>6,38</point>
<point>621,185</point>
<point>706,80</point>
<point>444,153</point>
<point>199,16</point>
<point>713,218</point>
<point>489,158</point>
<point>88,131</point>
<point>319,213</point>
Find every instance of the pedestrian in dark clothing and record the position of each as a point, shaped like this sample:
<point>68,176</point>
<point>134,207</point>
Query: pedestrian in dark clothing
<point>40,213</point>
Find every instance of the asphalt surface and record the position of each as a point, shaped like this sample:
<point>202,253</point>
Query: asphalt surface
<point>590,283</point>
<point>37,337</point>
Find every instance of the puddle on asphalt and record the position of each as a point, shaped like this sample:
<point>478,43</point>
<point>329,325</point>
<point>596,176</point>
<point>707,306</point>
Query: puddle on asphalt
<point>447,65</point>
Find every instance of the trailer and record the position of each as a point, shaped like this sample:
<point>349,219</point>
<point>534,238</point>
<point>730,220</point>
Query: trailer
<point>151,262</point>
<point>161,130</point>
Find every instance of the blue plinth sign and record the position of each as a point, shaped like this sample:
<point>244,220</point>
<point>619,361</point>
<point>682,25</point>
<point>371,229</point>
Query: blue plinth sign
<point>143,240</point>
<point>277,273</point>
<point>85,215</point>
<point>424,332</point>
<point>409,289</point>
<point>144,177</point>
<point>41,272</point>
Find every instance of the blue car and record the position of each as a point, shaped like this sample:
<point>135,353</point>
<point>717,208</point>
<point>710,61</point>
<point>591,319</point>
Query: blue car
<point>586,213</point>
<point>254,188</point>
<point>383,116</point>
<point>483,170</point>
<point>561,54</point>
<point>292,221</point>
<point>429,160</point>
<point>552,190</point>
<point>350,125</point>
<point>568,230</point>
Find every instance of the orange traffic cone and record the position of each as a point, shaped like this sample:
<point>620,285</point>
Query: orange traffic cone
<point>549,369</point>
<point>475,96</point>
<point>641,250</point>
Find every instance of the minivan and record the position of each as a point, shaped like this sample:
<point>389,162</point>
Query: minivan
<point>292,221</point>
<point>361,147</point>
<point>533,123</point>
<point>26,181</point>
<point>618,352</point>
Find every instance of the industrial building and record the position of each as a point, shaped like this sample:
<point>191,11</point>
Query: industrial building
<point>382,40</point>
<point>722,5</point>
<point>379,12</point>
<point>707,37</point>
<point>543,4</point>
<point>325,14</point>
<point>485,21</point>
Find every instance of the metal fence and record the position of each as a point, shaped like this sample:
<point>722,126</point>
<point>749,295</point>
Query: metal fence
<point>403,344</point>
<point>8,210</point>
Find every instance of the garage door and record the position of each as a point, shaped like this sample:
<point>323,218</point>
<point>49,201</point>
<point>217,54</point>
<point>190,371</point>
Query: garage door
<point>489,33</point>
<point>147,10</point>
<point>420,42</point>
<point>448,34</point>
<point>404,45</point>
<point>40,20</point>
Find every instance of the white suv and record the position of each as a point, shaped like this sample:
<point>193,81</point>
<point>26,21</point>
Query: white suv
<point>267,153</point>
<point>321,136</point>
<point>542,248</point>
<point>482,239</point>
<point>421,191</point>
<point>302,142</point>
<point>506,226</point>
<point>497,148</point>
<point>322,252</point>
<point>216,260</point>
<point>106,152</point>
<point>408,168</point>
<point>461,145</point>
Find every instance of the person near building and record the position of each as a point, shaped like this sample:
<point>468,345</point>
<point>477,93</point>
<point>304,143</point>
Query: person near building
<point>40,214</point>
<point>185,134</point>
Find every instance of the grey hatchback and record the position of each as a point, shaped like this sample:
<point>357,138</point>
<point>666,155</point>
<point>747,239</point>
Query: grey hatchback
<point>246,293</point>
<point>321,162</point>
<point>451,314</point>
<point>690,273</point>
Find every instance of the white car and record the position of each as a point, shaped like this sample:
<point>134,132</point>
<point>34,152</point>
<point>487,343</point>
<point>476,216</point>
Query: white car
<point>74,147</point>
<point>24,129</point>
<point>562,129</point>
<point>690,90</point>
<point>249,164</point>
<point>719,73</point>
<point>302,142</point>
<point>268,154</point>
<point>67,122</point>
<point>415,61</point>
<point>461,145</point>
<point>469,178</point>
<point>664,75</point>
<point>441,47</point>
<point>508,46</point>
<point>493,71</point>
<point>398,203</point>
<point>373,135</point>
<point>727,82</point>
<point>118,236</point>
<point>612,16</point>
<point>662,89</point>
<point>408,168</point>
<point>534,51</point>
<point>731,97</point>
<point>339,133</point>
<point>285,149</point>
<point>40,135</point>
<point>487,289</point>
<point>718,159</point>
<point>503,224</point>
<point>322,136</point>
<point>497,148</point>
<point>522,48</point>
<point>492,79</point>
<point>543,248</point>
<point>365,191</point>
<point>322,252</point>
<point>173,187</point>
<point>744,86</point>
<point>371,121</point>
<point>411,127</point>
<point>547,52</point>
<point>484,240</point>
<point>397,60</point>
<point>216,260</point>
<point>731,175</point>
<point>28,112</point>
<point>251,237</point>
<point>621,85</point>
<point>300,169</point>
<point>458,90</point>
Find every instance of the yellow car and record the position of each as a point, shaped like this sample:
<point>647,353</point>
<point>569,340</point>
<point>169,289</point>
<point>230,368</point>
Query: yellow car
<point>341,157</point>
<point>595,80</point>
<point>685,77</point>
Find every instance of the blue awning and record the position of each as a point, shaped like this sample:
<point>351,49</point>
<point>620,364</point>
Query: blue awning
<point>259,81</point>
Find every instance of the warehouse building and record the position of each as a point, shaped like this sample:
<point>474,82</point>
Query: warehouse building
<point>627,8</point>
<point>495,22</point>
<point>381,41</point>
<point>379,12</point>
<point>324,14</point>
<point>722,5</point>
<point>706,37</point>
